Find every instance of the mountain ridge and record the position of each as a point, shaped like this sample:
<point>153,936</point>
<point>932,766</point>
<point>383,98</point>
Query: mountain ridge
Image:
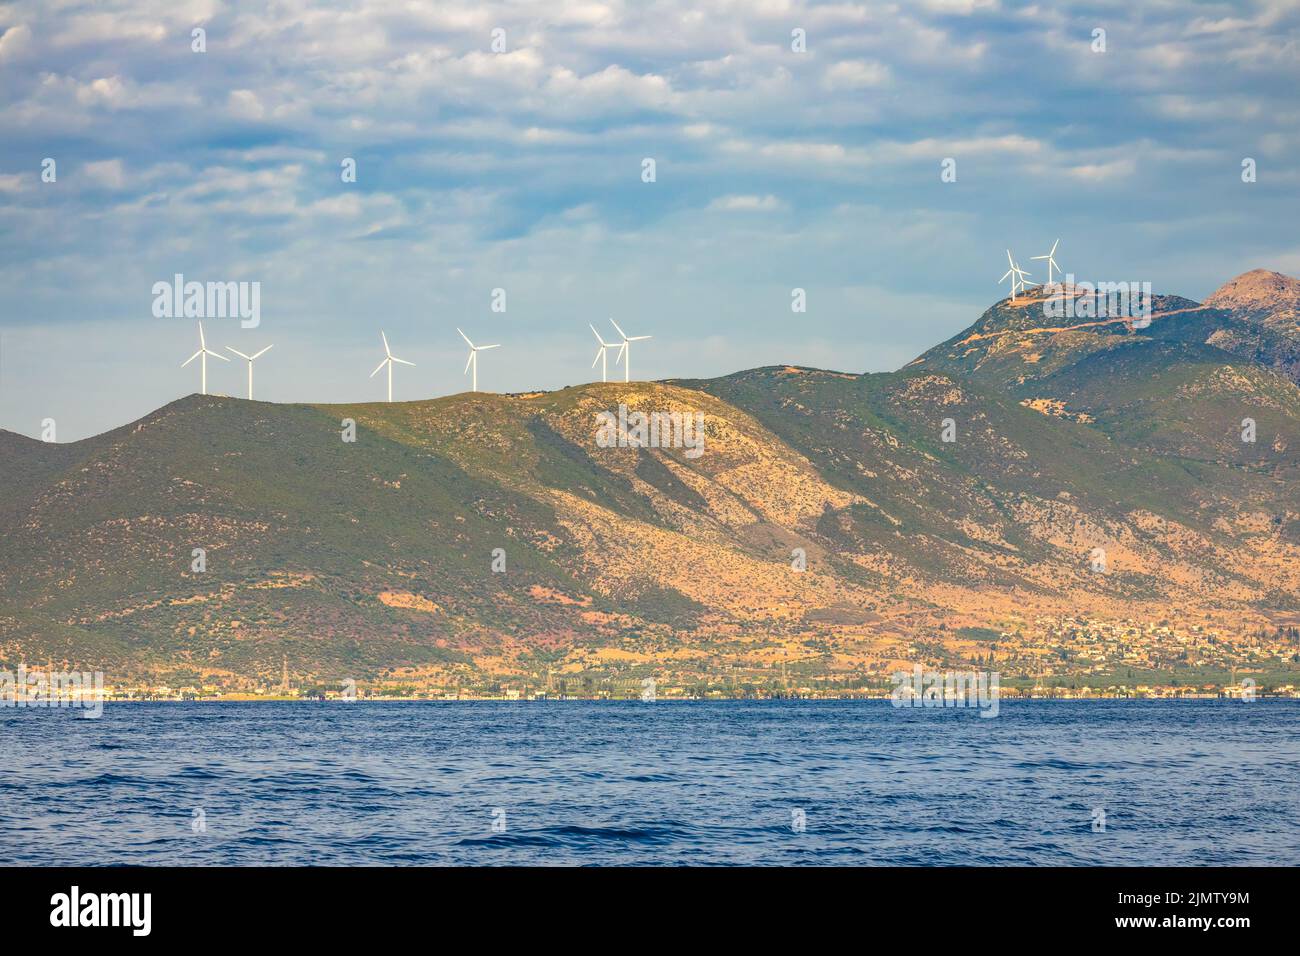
<point>846,523</point>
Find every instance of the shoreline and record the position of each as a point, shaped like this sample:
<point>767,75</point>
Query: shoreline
<point>940,705</point>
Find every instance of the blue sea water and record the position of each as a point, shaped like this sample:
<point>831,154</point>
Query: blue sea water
<point>1180,782</point>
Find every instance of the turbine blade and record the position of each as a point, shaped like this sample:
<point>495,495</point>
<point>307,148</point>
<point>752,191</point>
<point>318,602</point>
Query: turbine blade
<point>263,352</point>
<point>381,365</point>
<point>621,349</point>
<point>403,362</point>
<point>202,343</point>
<point>241,354</point>
<point>217,355</point>
<point>466,338</point>
<point>599,352</point>
<point>1039,257</point>
<point>640,338</point>
<point>468,361</point>
<point>191,358</point>
<point>1004,276</point>
<point>484,348</point>
<point>615,324</point>
<point>595,333</point>
<point>387,350</point>
<point>1054,245</point>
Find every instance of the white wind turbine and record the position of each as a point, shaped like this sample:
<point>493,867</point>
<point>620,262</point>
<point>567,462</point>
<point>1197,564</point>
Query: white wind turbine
<point>204,352</point>
<point>1022,275</point>
<point>1051,262</point>
<point>625,350</point>
<point>249,359</point>
<point>473,357</point>
<point>389,359</point>
<point>602,353</point>
<point>1017,274</point>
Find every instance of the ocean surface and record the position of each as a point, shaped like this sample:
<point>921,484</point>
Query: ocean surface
<point>570,783</point>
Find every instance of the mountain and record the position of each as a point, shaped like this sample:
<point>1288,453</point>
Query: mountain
<point>1269,298</point>
<point>1180,386</point>
<point>825,525</point>
<point>1266,306</point>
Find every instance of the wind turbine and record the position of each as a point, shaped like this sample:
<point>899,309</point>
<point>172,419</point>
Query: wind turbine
<point>1017,276</point>
<point>1051,263</point>
<point>602,353</point>
<point>249,359</point>
<point>625,350</point>
<point>1022,275</point>
<point>473,357</point>
<point>389,359</point>
<point>203,351</point>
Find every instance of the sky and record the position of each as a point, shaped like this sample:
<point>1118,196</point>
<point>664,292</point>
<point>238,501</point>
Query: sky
<point>503,146</point>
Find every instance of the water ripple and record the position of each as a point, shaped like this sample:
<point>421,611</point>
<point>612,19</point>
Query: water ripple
<point>787,783</point>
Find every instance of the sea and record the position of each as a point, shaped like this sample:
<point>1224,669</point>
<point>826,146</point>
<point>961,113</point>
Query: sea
<point>571,783</point>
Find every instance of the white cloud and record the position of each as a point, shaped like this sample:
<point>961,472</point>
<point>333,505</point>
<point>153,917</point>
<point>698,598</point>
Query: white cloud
<point>245,104</point>
<point>105,28</point>
<point>741,203</point>
<point>1103,172</point>
<point>107,173</point>
<point>856,75</point>
<point>14,41</point>
<point>823,153</point>
<point>962,7</point>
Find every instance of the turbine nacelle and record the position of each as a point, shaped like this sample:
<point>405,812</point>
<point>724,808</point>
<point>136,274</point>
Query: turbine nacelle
<point>204,352</point>
<point>625,350</point>
<point>602,354</point>
<point>1051,261</point>
<point>472,361</point>
<point>389,360</point>
<point>1018,275</point>
<point>249,359</point>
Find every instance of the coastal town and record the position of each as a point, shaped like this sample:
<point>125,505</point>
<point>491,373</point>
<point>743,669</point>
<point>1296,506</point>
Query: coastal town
<point>1059,657</point>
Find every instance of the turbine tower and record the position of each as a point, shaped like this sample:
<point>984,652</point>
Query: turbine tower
<point>202,354</point>
<point>473,357</point>
<point>1017,274</point>
<point>389,359</point>
<point>625,350</point>
<point>249,359</point>
<point>1051,262</point>
<point>602,354</point>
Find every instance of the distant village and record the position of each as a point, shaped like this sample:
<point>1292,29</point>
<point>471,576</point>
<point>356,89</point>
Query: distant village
<point>1066,658</point>
<point>1062,657</point>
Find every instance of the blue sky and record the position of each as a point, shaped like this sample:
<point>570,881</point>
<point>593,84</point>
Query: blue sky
<point>521,170</point>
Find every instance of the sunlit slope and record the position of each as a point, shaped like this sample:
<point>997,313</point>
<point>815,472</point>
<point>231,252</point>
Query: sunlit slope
<point>662,532</point>
<point>1016,503</point>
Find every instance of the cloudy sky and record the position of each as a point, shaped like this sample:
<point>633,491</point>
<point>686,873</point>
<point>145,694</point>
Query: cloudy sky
<point>522,170</point>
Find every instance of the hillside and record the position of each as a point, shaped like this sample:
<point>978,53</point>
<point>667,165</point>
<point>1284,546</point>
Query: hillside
<point>376,557</point>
